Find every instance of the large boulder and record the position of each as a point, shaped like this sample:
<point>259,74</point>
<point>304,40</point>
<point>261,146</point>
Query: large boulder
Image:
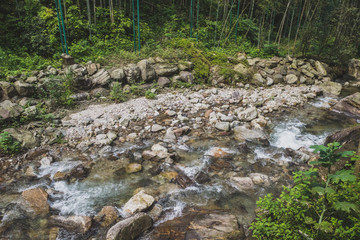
<point>24,89</point>
<point>92,68</point>
<point>133,73</point>
<point>130,228</point>
<point>101,78</point>
<point>354,68</point>
<point>247,115</point>
<point>291,78</point>
<point>36,201</point>
<point>245,133</point>
<point>118,74</point>
<point>163,82</point>
<point>138,203</point>
<point>187,77</point>
<point>200,224</point>
<point>165,70</point>
<point>9,110</point>
<point>349,105</point>
<point>107,216</point>
<point>27,138</point>
<point>320,68</point>
<point>147,71</point>
<point>78,224</point>
<point>348,137</point>
<point>330,88</point>
<point>243,184</point>
<point>7,89</point>
<point>241,69</point>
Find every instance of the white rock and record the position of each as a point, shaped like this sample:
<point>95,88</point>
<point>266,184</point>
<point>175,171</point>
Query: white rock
<point>138,203</point>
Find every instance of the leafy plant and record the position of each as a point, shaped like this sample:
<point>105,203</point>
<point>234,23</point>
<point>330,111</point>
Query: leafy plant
<point>60,90</point>
<point>150,95</point>
<point>117,94</point>
<point>318,206</point>
<point>8,144</point>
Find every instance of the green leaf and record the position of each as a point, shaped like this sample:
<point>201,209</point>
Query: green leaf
<point>347,154</point>
<point>318,148</point>
<point>345,206</point>
<point>343,175</point>
<point>319,190</point>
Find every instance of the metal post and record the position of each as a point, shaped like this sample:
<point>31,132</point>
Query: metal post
<point>237,21</point>
<point>197,20</point>
<point>134,32</point>
<point>191,18</point>
<point>63,26</point>
<point>138,18</point>
<point>61,36</point>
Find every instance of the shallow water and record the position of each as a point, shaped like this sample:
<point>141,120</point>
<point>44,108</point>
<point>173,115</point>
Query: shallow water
<point>105,186</point>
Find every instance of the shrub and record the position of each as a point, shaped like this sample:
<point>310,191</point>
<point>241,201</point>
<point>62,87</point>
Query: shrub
<point>150,95</point>
<point>60,90</point>
<point>8,144</point>
<point>117,94</point>
<point>316,207</point>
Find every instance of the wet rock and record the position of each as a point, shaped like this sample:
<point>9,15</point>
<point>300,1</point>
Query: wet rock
<point>331,88</point>
<point>79,172</point>
<point>247,115</point>
<point>349,105</point>
<point>8,89</point>
<point>130,228</point>
<point>148,155</point>
<point>36,200</point>
<point>24,89</point>
<point>107,216</point>
<point>291,78</point>
<point>169,136</point>
<point>218,153</point>
<point>138,203</point>
<point>245,133</point>
<point>147,71</point>
<point>164,82</point>
<point>30,172</point>
<point>202,177</point>
<point>9,110</point>
<point>183,180</point>
<point>223,126</point>
<point>200,224</point>
<point>348,137</point>
<point>165,70</point>
<point>59,176</point>
<point>101,78</point>
<point>187,77</point>
<point>243,184</point>
<point>171,175</point>
<point>133,168</point>
<point>260,179</point>
<point>78,224</point>
<point>159,151</point>
<point>118,75</point>
<point>53,233</point>
<point>156,212</point>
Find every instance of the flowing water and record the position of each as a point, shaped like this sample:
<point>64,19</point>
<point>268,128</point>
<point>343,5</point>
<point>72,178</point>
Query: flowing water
<point>105,185</point>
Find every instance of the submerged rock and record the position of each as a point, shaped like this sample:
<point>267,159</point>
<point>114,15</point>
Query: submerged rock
<point>107,216</point>
<point>138,203</point>
<point>130,228</point>
<point>78,224</point>
<point>133,168</point>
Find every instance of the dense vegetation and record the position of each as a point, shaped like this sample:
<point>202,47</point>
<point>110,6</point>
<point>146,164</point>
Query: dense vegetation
<point>103,31</point>
<point>323,204</point>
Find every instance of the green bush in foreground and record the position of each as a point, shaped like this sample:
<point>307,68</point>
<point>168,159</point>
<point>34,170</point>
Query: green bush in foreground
<point>8,144</point>
<point>316,207</point>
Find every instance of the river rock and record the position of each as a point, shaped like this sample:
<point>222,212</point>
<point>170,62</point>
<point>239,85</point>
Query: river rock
<point>107,216</point>
<point>349,105</point>
<point>348,137</point>
<point>8,89</point>
<point>187,77</point>
<point>200,224</point>
<point>159,151</point>
<point>130,228</point>
<point>147,71</point>
<point>91,68</point>
<point>118,74</point>
<point>331,88</point>
<point>133,73</point>
<point>24,89</point>
<point>78,224</point>
<point>170,136</point>
<point>291,78</point>
<point>320,68</point>
<point>101,78</point>
<point>245,133</point>
<point>223,126</point>
<point>164,82</point>
<point>28,139</point>
<point>258,79</point>
<point>243,184</point>
<point>260,179</point>
<point>247,115</point>
<point>9,110</point>
<point>218,153</point>
<point>165,70</point>
<point>36,200</point>
<point>157,128</point>
<point>242,69</point>
<point>354,68</point>
<point>278,78</point>
<point>133,168</point>
<point>138,203</point>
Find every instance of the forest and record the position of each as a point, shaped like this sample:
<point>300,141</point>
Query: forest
<point>99,29</point>
<point>180,119</point>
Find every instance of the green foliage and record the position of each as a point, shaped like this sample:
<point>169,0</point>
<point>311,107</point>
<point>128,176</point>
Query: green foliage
<point>8,144</point>
<point>150,95</point>
<point>315,207</point>
<point>59,90</point>
<point>117,94</point>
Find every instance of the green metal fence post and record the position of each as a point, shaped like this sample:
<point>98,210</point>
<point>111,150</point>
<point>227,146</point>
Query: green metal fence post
<point>191,18</point>
<point>134,31</point>
<point>61,36</point>
<point>63,26</point>
<point>237,21</point>
<point>197,20</point>
<point>138,18</point>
